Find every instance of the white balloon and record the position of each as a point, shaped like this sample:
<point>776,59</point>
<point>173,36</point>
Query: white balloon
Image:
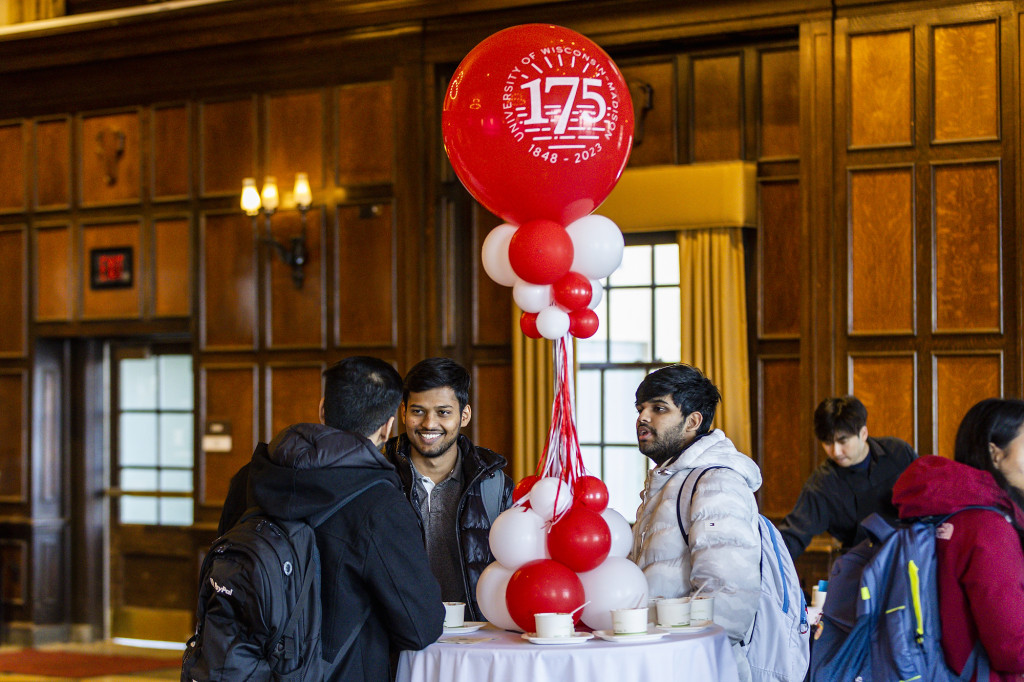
<point>597,246</point>
<point>617,583</point>
<point>518,535</point>
<point>553,322</point>
<point>494,254</point>
<point>531,298</point>
<point>622,534</point>
<point>596,295</point>
<point>490,596</point>
<point>546,493</point>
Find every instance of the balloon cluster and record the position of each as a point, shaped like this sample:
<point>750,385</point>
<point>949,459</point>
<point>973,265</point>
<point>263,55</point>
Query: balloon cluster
<point>558,548</point>
<point>538,125</point>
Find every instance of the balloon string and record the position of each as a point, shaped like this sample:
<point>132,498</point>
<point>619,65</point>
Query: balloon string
<point>562,457</point>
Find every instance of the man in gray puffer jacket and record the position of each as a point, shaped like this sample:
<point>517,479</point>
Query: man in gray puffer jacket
<point>675,406</point>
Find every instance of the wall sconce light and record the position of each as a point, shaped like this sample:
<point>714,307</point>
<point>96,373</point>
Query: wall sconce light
<point>266,202</point>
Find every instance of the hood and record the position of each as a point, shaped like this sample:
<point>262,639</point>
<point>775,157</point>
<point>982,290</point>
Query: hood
<point>934,485</point>
<point>715,449</point>
<point>308,468</point>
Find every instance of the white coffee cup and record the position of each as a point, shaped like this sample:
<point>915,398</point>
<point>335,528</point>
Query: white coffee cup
<point>674,612</point>
<point>702,610</point>
<point>553,624</point>
<point>454,614</point>
<point>629,621</point>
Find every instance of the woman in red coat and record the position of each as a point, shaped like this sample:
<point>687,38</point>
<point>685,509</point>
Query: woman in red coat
<point>980,559</point>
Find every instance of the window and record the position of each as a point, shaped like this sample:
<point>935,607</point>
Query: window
<point>155,443</point>
<point>639,331</point>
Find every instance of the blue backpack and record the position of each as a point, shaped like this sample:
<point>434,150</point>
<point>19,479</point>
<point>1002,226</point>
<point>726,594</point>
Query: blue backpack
<point>881,619</point>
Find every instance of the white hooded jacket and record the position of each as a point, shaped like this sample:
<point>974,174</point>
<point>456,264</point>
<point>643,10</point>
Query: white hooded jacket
<point>725,545</point>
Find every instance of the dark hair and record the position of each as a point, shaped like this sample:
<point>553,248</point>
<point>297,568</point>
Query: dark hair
<point>691,391</point>
<point>360,394</point>
<point>839,415</point>
<point>996,421</point>
<point>437,373</point>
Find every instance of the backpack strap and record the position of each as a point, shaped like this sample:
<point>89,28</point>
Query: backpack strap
<point>491,490</point>
<point>700,471</point>
<point>272,645</point>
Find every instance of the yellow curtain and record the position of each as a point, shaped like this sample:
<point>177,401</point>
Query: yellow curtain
<point>714,321</point>
<point>19,11</point>
<point>533,387</point>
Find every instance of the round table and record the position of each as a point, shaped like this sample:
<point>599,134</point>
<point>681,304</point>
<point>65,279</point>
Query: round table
<point>501,656</point>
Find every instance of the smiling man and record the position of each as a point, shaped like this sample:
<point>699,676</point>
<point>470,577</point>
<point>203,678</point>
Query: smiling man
<point>854,482</point>
<point>457,487</point>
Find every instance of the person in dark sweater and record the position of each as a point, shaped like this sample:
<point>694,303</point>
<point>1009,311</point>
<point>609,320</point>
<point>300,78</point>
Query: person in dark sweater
<point>854,482</point>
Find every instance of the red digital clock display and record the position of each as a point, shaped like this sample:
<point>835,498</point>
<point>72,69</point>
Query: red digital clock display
<point>111,268</point>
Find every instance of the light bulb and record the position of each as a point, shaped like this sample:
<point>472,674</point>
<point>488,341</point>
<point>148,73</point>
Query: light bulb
<point>303,195</point>
<point>269,194</point>
<point>250,197</point>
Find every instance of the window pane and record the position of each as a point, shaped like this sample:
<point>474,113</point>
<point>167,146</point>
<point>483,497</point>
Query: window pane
<point>138,479</point>
<point>624,473</point>
<point>176,481</point>
<point>176,440</point>
<point>667,334</point>
<point>138,384</point>
<point>137,444</point>
<point>620,404</point>
<point>595,348</point>
<point>175,382</point>
<point>666,264</point>
<point>176,511</point>
<point>588,406</point>
<point>629,311</point>
<point>635,267</point>
<point>138,510</point>
<point>592,460</point>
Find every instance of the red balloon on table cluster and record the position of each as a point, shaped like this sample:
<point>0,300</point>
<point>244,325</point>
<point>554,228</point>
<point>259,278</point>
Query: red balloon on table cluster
<point>580,540</point>
<point>542,586</point>
<point>591,492</point>
<point>523,487</point>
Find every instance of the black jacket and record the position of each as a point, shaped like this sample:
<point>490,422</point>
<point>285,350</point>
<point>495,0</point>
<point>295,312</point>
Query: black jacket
<point>372,556</point>
<point>473,527</point>
<point>837,499</point>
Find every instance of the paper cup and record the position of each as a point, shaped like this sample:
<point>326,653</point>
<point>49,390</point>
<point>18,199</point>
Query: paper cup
<point>454,614</point>
<point>553,624</point>
<point>629,621</point>
<point>702,610</point>
<point>674,612</point>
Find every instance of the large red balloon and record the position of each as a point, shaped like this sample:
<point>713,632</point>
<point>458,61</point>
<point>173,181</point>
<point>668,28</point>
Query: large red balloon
<point>538,123</point>
<point>540,251</point>
<point>581,539</point>
<point>591,492</point>
<point>542,586</point>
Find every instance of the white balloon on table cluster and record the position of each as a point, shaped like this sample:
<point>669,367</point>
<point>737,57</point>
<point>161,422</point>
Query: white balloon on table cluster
<point>552,322</point>
<point>517,536</point>
<point>622,533</point>
<point>617,583</point>
<point>490,596</point>
<point>546,494</point>
<point>531,298</point>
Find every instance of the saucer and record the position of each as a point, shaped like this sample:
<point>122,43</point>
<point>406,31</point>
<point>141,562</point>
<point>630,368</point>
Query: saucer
<point>469,626</point>
<point>684,629</point>
<point>574,638</point>
<point>651,635</point>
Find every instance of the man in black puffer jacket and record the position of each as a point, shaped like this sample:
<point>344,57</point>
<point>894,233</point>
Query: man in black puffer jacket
<point>449,480</point>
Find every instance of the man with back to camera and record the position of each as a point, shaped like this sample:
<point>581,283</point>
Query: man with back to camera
<point>854,482</point>
<point>457,487</point>
<point>675,407</point>
<point>378,591</point>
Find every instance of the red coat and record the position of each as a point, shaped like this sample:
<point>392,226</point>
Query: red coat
<point>981,563</point>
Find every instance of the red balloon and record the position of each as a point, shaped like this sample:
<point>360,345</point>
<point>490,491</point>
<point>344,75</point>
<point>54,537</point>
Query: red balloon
<point>573,291</point>
<point>528,323</point>
<point>542,586</point>
<point>583,323</point>
<point>591,492</point>
<point>540,251</point>
<point>538,123</point>
<point>523,487</point>
<point>581,539</point>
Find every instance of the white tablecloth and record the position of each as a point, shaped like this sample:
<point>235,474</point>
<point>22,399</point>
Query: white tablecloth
<point>492,655</point>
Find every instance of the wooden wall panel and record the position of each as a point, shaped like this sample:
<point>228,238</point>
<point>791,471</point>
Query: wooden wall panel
<point>228,141</point>
<point>655,138</point>
<point>297,316</point>
<point>110,159</point>
<point>293,396</point>
<point>228,394</point>
<point>53,164</point>
<point>366,134</point>
<point>54,294</point>
<point>717,108</point>
<point>780,104</point>
<point>882,232</point>
<point>13,447</point>
<point>492,302</point>
<point>228,280</point>
<point>106,304</point>
<point>142,571</point>
<point>968,295</point>
<point>367,279</point>
<point>779,270</point>
<point>12,151</point>
<point>295,142</point>
<point>881,89</point>
<point>171,152</point>
<point>13,291</point>
<point>887,385</point>
<point>492,408</point>
<point>966,81</point>
<point>14,571</point>
<point>782,457</point>
<point>960,381</point>
<point>172,268</point>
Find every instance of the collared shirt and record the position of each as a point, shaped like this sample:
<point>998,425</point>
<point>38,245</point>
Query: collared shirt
<point>439,505</point>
